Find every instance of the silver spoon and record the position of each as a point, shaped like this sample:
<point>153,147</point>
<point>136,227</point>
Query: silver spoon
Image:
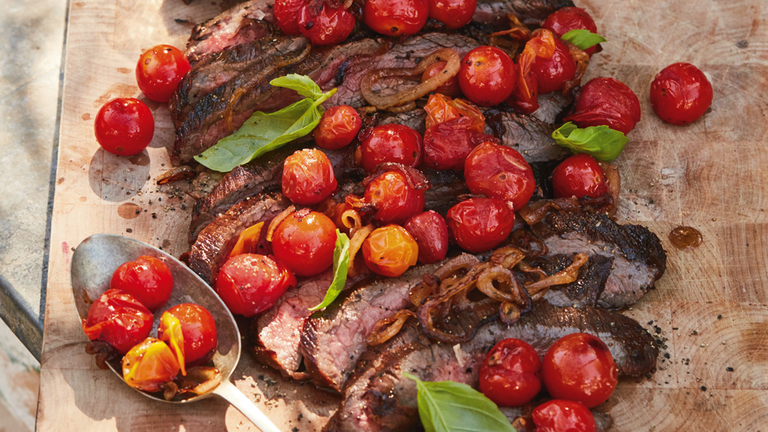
<point>98,256</point>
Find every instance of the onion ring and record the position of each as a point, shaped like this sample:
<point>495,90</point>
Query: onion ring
<point>387,328</point>
<point>568,275</point>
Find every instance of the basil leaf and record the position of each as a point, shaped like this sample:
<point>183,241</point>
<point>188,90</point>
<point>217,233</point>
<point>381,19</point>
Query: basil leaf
<point>340,267</point>
<point>600,142</point>
<point>584,39</point>
<point>447,406</point>
<point>301,83</point>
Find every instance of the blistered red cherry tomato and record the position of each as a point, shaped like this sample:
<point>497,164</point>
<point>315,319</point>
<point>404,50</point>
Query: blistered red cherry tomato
<point>680,93</point>
<point>487,76</point>
<point>391,143</point>
<point>337,128</point>
<point>124,126</point>
<point>452,13</point>
<point>499,172</point>
<point>390,251</point>
<point>480,224</point>
<point>580,367</point>
<point>450,88</point>
<point>605,101</point>
<point>148,279</point>
<point>510,376</point>
<point>287,15</point>
<point>447,144</point>
<point>396,17</point>
<point>552,73</point>
<point>304,242</point>
<point>159,71</point>
<point>251,283</point>
<point>395,200</point>
<point>198,332</point>
<point>579,176</point>
<point>308,177</point>
<point>329,26</point>
<point>431,234</point>
<point>149,365</point>
<point>566,19</point>
<point>118,319</point>
<point>563,415</point>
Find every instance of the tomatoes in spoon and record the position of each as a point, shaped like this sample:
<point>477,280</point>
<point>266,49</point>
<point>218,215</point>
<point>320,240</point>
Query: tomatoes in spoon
<point>148,279</point>
<point>510,375</point>
<point>681,93</point>
<point>487,76</point>
<point>308,177</point>
<point>118,319</point>
<point>606,101</point>
<point>579,176</point>
<point>190,331</point>
<point>149,365</point>
<point>304,242</point>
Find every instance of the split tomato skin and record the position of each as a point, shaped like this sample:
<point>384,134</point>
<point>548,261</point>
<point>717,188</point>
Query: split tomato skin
<point>251,283</point>
<point>308,177</point>
<point>499,172</point>
<point>148,279</point>
<point>304,242</point>
<point>149,365</point>
<point>510,375</point>
<point>452,13</point>
<point>580,175</point>
<point>552,73</point>
<point>119,319</point>
<point>396,17</point>
<point>431,234</point>
<point>580,367</point>
<point>681,93</point>
<point>566,19</point>
<point>124,126</point>
<point>159,71</point>
<point>487,76</point>
<point>287,15</point>
<point>198,329</point>
<point>390,251</point>
<point>337,128</point>
<point>480,224</point>
<point>563,415</point>
<point>450,88</point>
<point>391,143</point>
<point>329,26</point>
<point>394,199</point>
<point>606,101</point>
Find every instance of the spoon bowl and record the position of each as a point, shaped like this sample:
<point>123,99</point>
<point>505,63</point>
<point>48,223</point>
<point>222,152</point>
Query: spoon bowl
<point>96,259</point>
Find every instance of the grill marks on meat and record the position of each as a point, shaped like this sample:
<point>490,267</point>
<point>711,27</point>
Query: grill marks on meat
<point>587,287</point>
<point>528,135</point>
<point>379,398</point>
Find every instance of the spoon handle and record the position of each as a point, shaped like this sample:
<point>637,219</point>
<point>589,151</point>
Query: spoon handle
<point>228,391</point>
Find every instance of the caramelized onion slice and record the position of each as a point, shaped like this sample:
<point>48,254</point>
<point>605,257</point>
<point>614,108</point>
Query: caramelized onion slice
<point>527,268</point>
<point>387,328</point>
<point>356,242</point>
<point>613,181</point>
<point>277,219</point>
<point>500,284</point>
<point>509,313</point>
<point>183,172</point>
<point>582,61</point>
<point>350,218</point>
<point>568,275</point>
<point>533,213</point>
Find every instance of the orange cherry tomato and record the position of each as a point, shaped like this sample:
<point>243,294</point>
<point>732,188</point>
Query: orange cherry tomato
<point>450,88</point>
<point>189,330</point>
<point>251,283</point>
<point>308,177</point>
<point>499,172</point>
<point>118,319</point>
<point>124,126</point>
<point>395,200</point>
<point>304,242</point>
<point>149,365</point>
<point>159,71</point>
<point>480,224</point>
<point>148,279</point>
<point>337,128</point>
<point>390,251</point>
<point>487,76</point>
<point>396,17</point>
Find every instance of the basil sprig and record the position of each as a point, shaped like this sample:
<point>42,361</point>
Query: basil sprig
<point>584,39</point>
<point>340,268</point>
<point>264,132</point>
<point>600,142</point>
<point>448,406</point>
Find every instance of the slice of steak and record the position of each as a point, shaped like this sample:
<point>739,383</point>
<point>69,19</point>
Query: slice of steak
<point>530,12</point>
<point>378,397</point>
<point>639,259</point>
<point>588,286</point>
<point>216,241</point>
<point>528,135</point>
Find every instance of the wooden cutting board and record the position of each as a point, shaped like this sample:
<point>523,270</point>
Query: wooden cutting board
<point>711,306</point>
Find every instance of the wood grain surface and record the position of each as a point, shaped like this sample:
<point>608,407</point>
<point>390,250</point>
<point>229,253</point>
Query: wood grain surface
<point>711,306</point>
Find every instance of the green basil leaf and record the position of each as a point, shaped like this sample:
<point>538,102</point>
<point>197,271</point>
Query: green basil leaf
<point>447,406</point>
<point>340,267</point>
<point>600,142</point>
<point>301,83</point>
<point>584,39</point>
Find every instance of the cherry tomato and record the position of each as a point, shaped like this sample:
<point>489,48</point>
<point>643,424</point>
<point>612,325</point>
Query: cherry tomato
<point>396,17</point>
<point>510,376</point>
<point>680,93</point>
<point>308,177</point>
<point>390,251</point>
<point>566,19</point>
<point>251,283</point>
<point>525,97</point>
<point>579,176</point>
<point>447,145</point>
<point>337,128</point>
<point>580,367</point>
<point>391,143</point>
<point>605,101</point>
<point>431,234</point>
<point>450,88</point>
<point>149,365</point>
<point>198,339</point>
<point>329,26</point>
<point>441,108</point>
<point>159,71</point>
<point>480,224</point>
<point>499,172</point>
<point>287,15</point>
<point>118,319</point>
<point>452,13</point>
<point>148,279</point>
<point>394,199</point>
<point>304,242</point>
<point>551,73</point>
<point>487,76</point>
<point>563,415</point>
<point>124,126</point>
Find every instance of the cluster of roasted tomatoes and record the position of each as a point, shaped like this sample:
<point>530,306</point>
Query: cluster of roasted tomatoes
<point>122,317</point>
<point>577,371</point>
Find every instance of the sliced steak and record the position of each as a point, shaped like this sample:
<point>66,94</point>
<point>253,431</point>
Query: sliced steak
<point>588,286</point>
<point>378,397</point>
<point>529,135</point>
<point>530,12</point>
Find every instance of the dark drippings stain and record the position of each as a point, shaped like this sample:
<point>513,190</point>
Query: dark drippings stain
<point>128,211</point>
<point>685,237</point>
<point>141,159</point>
